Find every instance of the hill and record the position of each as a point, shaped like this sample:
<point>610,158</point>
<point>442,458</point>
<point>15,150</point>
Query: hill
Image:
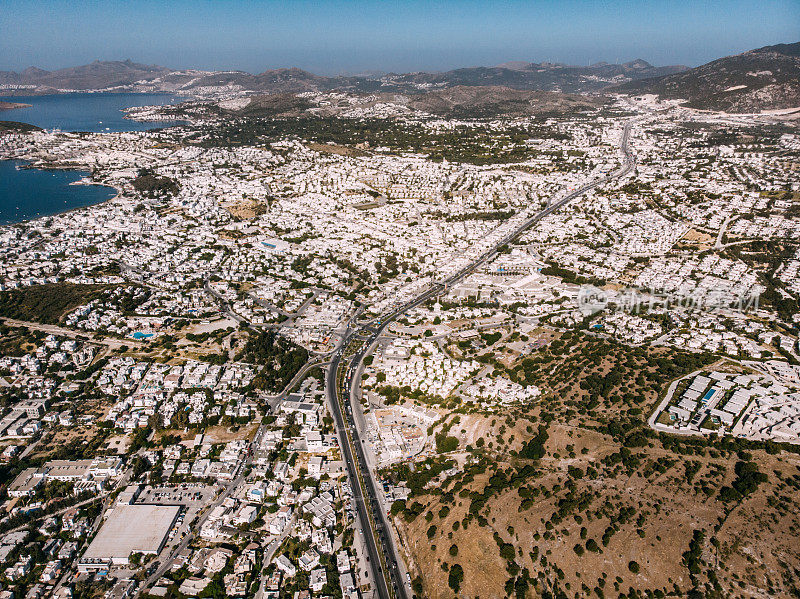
<point>272,105</point>
<point>130,76</point>
<point>538,76</point>
<point>575,496</point>
<point>97,75</point>
<point>15,127</point>
<point>489,101</point>
<point>767,78</point>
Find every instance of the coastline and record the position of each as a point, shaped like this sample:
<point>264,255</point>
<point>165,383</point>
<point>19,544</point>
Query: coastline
<point>28,198</point>
<point>39,92</point>
<point>83,181</point>
<point>93,111</point>
<point>13,105</point>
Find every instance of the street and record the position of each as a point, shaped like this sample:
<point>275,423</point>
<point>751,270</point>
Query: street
<point>374,524</point>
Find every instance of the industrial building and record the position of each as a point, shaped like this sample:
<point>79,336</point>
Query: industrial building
<point>129,529</point>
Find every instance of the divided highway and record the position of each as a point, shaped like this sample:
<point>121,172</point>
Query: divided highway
<point>386,573</point>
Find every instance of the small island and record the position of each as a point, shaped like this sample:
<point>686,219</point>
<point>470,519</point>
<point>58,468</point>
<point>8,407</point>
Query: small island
<point>13,105</point>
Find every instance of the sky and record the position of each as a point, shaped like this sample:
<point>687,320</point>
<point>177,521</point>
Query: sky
<point>346,37</point>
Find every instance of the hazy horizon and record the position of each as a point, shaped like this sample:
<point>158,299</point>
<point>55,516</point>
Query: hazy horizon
<point>352,37</point>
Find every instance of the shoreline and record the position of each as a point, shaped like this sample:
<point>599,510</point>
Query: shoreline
<point>83,181</point>
<point>117,107</point>
<point>13,105</point>
<point>32,93</point>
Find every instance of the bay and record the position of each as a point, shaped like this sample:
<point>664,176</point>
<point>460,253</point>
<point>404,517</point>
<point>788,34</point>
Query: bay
<point>31,193</point>
<point>95,113</point>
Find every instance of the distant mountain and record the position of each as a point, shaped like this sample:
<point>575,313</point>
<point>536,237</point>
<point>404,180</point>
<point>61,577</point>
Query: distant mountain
<point>762,79</point>
<point>539,76</point>
<point>767,78</point>
<point>273,81</point>
<point>130,76</point>
<point>491,101</point>
<point>97,75</point>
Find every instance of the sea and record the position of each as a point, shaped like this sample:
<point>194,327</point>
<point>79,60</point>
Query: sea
<point>85,112</point>
<point>32,193</point>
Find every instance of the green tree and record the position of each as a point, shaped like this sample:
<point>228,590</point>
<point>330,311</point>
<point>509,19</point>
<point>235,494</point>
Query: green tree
<point>456,577</point>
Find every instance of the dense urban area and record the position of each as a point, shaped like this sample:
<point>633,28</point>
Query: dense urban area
<point>332,344</point>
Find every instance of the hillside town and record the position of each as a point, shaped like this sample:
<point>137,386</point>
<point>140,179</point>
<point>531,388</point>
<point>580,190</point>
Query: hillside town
<point>172,425</point>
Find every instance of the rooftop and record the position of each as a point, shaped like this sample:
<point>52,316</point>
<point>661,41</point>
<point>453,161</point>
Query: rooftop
<point>132,528</point>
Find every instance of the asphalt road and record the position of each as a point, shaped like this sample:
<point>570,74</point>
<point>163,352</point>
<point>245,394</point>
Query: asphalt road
<point>274,400</point>
<point>379,547</point>
<point>195,528</point>
<point>355,475</point>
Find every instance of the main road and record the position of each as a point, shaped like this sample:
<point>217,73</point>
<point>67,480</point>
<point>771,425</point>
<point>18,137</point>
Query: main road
<point>383,558</point>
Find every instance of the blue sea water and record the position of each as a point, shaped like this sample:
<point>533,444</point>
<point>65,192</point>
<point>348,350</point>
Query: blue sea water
<point>85,112</point>
<point>30,193</point>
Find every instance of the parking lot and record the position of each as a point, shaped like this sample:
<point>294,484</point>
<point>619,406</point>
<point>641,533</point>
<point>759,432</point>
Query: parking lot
<point>185,494</point>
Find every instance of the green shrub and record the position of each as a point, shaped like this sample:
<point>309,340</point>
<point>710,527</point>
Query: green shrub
<point>456,577</point>
<point>446,443</point>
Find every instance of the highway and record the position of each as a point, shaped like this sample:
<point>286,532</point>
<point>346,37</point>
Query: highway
<point>345,436</point>
<point>386,573</point>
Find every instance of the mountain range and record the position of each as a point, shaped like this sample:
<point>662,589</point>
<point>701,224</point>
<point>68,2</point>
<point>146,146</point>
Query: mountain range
<point>130,76</point>
<point>767,78</point>
<point>545,76</point>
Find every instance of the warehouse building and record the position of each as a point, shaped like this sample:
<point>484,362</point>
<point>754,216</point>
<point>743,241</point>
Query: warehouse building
<point>130,529</point>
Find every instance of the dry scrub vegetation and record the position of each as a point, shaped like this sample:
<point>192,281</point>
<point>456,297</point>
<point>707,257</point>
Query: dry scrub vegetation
<point>576,497</point>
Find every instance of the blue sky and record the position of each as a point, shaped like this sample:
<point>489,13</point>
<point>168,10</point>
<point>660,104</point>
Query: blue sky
<point>330,37</point>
